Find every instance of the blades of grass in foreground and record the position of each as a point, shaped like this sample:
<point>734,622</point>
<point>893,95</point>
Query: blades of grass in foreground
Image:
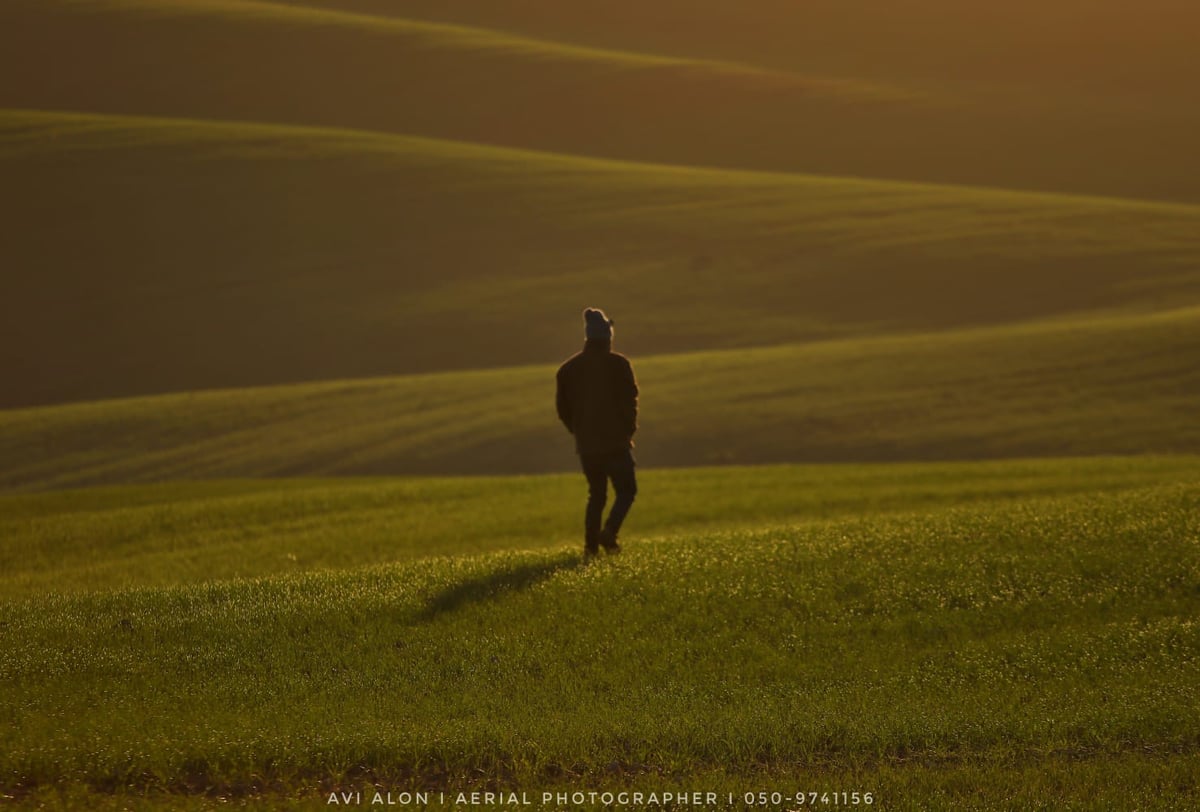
<point>980,639</point>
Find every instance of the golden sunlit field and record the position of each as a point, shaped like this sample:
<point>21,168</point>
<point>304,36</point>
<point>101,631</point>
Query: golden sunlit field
<point>912,291</point>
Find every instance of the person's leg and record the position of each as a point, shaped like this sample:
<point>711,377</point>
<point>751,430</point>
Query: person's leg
<point>596,471</point>
<point>621,469</point>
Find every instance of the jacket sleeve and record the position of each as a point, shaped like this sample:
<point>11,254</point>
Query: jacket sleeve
<point>563,401</point>
<point>629,399</point>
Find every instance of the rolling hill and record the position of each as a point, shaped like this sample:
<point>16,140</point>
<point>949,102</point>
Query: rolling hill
<point>913,294</point>
<point>1108,50</point>
<point>292,64</point>
<point>1118,385</point>
<point>151,255</point>
<point>1037,651</point>
<point>183,534</point>
<point>223,193</point>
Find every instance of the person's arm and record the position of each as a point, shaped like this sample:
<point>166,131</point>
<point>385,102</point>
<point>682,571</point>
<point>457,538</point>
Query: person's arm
<point>563,402</point>
<point>629,399</point>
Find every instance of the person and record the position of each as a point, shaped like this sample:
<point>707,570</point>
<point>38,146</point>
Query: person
<point>597,401</point>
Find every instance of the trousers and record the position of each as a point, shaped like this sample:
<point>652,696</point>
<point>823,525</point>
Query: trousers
<point>599,469</point>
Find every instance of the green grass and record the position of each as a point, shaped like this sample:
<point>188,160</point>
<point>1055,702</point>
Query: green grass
<point>205,255</point>
<point>186,533</point>
<point>1119,385</point>
<point>936,657</point>
<point>249,244</point>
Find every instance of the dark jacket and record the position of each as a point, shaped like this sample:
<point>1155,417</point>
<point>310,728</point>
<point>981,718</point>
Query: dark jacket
<point>598,399</point>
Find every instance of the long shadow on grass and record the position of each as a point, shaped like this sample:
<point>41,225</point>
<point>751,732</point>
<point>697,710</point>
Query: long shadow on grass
<point>493,586</point>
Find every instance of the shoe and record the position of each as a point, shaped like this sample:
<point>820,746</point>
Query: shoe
<point>591,545</point>
<point>608,540</point>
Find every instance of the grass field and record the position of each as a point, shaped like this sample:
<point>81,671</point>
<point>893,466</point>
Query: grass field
<point>929,634</point>
<point>349,270</point>
<point>478,72</point>
<point>912,292</point>
<point>189,532</point>
<point>193,201</point>
<point>1116,385</point>
<point>443,185</point>
<point>936,41</point>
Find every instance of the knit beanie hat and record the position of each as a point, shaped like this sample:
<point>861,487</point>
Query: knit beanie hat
<point>597,324</point>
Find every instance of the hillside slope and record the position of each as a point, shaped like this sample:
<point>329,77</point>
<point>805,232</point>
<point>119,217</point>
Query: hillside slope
<point>1110,386</point>
<point>187,533</point>
<point>150,255</point>
<point>967,655</point>
<point>1107,50</point>
<point>263,61</point>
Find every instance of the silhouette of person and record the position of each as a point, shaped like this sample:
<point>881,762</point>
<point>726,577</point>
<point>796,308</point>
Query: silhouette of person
<point>598,402</point>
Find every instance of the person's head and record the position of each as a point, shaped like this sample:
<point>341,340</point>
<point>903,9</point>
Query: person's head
<point>597,326</point>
